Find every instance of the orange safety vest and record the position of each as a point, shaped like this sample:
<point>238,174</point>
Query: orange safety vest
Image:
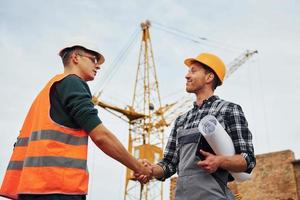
<point>47,158</point>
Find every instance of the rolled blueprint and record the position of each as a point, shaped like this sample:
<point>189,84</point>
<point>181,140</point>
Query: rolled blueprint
<point>219,141</point>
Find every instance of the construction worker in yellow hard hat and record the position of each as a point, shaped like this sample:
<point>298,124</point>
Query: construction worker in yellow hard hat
<point>212,63</point>
<point>201,173</point>
<point>49,160</point>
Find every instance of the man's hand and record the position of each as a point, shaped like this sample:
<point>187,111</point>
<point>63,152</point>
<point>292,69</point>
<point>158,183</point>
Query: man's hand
<point>157,172</point>
<point>144,177</point>
<point>210,163</point>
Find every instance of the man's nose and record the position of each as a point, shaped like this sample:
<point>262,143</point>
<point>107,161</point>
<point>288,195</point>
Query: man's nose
<point>187,76</point>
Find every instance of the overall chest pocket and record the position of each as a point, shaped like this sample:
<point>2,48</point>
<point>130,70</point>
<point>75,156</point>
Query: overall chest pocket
<point>187,141</point>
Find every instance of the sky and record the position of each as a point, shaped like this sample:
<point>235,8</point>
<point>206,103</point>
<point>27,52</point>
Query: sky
<point>267,86</point>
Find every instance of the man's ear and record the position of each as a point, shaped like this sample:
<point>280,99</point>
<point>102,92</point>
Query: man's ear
<point>74,57</point>
<point>210,77</point>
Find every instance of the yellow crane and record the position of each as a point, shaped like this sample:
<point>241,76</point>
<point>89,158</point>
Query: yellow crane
<point>146,120</point>
<point>147,117</point>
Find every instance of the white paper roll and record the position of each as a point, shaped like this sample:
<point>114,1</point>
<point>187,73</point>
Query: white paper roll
<point>219,141</point>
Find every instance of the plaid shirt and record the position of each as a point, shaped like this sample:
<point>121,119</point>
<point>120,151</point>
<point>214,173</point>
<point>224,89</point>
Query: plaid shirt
<point>235,125</point>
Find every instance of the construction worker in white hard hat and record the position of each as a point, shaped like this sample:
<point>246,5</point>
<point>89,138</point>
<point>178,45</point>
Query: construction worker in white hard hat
<point>201,173</point>
<point>49,160</point>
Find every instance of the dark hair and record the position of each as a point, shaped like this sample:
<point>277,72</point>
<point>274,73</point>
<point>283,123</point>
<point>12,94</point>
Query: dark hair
<point>68,52</point>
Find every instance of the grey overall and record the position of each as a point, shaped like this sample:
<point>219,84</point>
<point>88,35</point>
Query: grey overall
<point>194,183</point>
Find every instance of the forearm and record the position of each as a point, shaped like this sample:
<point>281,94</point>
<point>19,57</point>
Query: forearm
<point>235,163</point>
<point>111,146</point>
<point>241,136</point>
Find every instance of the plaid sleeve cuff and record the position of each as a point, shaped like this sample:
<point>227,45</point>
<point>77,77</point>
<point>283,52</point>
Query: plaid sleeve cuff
<point>250,164</point>
<point>163,178</point>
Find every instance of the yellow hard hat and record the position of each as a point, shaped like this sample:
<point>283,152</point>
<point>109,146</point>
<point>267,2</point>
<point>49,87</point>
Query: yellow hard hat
<point>211,61</point>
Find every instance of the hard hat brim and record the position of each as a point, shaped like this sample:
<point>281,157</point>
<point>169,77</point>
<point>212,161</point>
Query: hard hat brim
<point>189,61</point>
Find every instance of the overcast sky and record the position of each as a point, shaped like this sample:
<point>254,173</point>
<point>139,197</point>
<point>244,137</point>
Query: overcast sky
<point>267,86</point>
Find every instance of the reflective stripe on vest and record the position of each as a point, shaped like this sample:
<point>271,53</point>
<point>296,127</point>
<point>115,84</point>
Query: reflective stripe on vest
<point>48,161</point>
<point>58,136</point>
<point>22,142</point>
<point>52,135</point>
<point>14,165</point>
<point>57,153</point>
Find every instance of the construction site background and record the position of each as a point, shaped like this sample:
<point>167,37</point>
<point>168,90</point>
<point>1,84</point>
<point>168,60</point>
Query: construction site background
<point>275,177</point>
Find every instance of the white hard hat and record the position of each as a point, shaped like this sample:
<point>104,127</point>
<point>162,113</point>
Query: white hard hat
<point>85,46</point>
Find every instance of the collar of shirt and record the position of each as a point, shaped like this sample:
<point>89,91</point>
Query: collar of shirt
<point>210,100</point>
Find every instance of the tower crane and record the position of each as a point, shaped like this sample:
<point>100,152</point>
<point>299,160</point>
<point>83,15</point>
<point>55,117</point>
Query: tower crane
<point>146,120</point>
<point>147,117</point>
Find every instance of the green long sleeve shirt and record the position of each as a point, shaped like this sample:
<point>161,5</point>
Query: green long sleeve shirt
<point>71,104</point>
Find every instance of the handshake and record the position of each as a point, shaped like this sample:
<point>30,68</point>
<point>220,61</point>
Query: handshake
<point>148,171</point>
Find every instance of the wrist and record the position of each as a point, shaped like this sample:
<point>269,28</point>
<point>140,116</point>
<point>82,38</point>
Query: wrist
<point>157,172</point>
<point>221,162</point>
<point>138,166</point>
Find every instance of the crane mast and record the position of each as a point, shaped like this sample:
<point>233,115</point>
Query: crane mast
<point>145,136</point>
